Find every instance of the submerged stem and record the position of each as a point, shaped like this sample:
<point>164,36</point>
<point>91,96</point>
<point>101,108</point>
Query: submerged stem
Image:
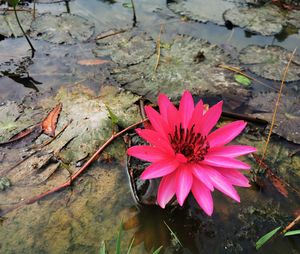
<point>19,23</point>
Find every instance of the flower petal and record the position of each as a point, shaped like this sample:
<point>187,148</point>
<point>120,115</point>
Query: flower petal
<point>166,189</point>
<point>163,103</point>
<point>226,133</point>
<point>147,153</point>
<point>234,177</point>
<point>184,181</point>
<point>220,161</point>
<point>231,151</point>
<point>159,169</point>
<point>203,197</point>
<point>222,184</point>
<point>210,118</point>
<point>156,140</point>
<point>200,173</point>
<point>186,108</point>
<point>158,123</point>
<point>197,116</point>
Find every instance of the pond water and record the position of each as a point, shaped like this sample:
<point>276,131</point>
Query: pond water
<point>77,219</point>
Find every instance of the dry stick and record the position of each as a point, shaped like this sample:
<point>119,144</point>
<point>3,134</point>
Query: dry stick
<point>158,48</point>
<point>244,74</point>
<point>276,106</point>
<point>292,224</point>
<point>69,182</point>
<point>34,10</point>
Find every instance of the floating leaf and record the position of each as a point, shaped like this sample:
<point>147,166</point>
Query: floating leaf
<point>242,79</point>
<point>266,238</point>
<point>65,28</point>
<point>269,62</point>
<point>292,232</point>
<point>127,5</point>
<point>92,61</point>
<point>49,123</point>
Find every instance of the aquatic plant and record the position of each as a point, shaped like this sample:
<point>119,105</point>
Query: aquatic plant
<point>187,156</point>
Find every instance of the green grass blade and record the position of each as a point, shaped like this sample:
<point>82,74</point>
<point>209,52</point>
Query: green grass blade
<point>293,232</point>
<point>114,119</point>
<point>158,250</point>
<point>174,235</point>
<point>261,241</point>
<point>130,246</point>
<point>118,246</point>
<point>102,248</point>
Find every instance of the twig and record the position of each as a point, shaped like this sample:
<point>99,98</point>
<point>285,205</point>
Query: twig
<point>231,68</point>
<point>34,10</point>
<point>244,117</point>
<point>158,48</point>
<point>134,14</point>
<point>31,46</point>
<point>276,106</point>
<point>69,182</point>
<point>292,224</point>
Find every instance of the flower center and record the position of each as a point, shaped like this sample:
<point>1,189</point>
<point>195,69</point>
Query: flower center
<point>192,145</point>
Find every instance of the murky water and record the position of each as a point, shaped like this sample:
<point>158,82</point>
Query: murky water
<point>77,219</point>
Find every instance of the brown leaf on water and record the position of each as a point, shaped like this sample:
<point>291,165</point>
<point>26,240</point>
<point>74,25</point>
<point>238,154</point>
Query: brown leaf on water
<point>24,137</point>
<point>89,62</point>
<point>274,180</point>
<point>49,123</point>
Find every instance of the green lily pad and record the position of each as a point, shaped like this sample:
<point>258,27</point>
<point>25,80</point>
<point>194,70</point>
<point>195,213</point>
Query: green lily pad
<point>9,26</point>
<point>126,48</point>
<point>202,10</point>
<point>287,122</point>
<point>266,20</point>
<point>189,64</point>
<point>63,29</point>
<point>269,62</point>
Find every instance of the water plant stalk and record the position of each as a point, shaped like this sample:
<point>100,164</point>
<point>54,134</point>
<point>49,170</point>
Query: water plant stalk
<point>19,23</point>
<point>134,13</point>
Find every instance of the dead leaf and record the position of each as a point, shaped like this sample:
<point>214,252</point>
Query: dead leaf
<point>49,123</point>
<point>92,62</point>
<point>24,137</point>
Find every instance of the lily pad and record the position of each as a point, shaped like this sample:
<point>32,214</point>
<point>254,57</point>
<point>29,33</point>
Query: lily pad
<point>269,62</point>
<point>202,10</point>
<point>266,20</point>
<point>126,48</point>
<point>63,29</point>
<point>9,26</point>
<point>188,63</point>
<point>287,122</point>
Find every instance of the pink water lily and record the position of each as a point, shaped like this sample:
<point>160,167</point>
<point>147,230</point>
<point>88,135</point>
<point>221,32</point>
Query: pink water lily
<point>188,156</point>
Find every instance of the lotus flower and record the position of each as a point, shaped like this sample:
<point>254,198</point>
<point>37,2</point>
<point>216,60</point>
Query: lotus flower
<point>188,156</point>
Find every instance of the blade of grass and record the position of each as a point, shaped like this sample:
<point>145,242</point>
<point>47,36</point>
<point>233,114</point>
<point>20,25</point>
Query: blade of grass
<point>293,232</point>
<point>157,251</point>
<point>118,245</point>
<point>102,248</point>
<point>130,246</point>
<point>173,235</point>
<point>261,241</point>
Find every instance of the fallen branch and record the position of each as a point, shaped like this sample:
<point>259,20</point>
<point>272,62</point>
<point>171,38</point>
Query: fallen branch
<point>73,177</point>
